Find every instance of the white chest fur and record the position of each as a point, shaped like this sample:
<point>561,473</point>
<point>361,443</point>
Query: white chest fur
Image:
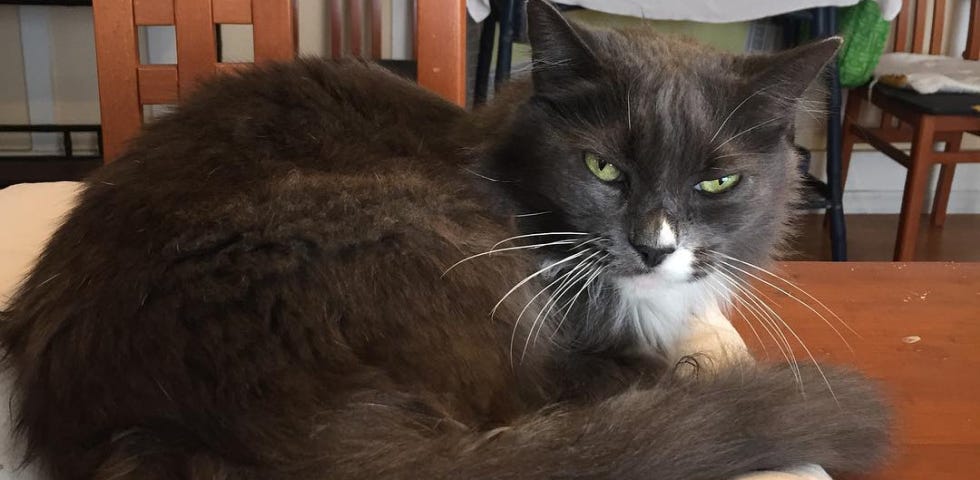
<point>659,310</point>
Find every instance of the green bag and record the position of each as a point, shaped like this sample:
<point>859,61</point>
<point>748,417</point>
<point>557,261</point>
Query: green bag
<point>865,33</point>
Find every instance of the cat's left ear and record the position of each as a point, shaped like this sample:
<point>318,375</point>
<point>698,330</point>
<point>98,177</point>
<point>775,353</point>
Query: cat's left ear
<point>786,75</point>
<point>559,49</point>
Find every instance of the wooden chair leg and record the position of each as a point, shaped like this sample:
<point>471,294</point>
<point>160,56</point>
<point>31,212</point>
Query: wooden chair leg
<point>945,184</point>
<point>915,189</point>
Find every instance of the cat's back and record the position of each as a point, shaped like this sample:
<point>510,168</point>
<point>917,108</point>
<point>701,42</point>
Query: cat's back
<point>295,138</point>
<point>328,115</point>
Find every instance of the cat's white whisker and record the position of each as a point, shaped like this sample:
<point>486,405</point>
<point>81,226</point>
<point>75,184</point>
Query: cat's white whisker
<point>790,295</point>
<point>491,179</point>
<point>808,353</point>
<point>732,113</point>
<point>545,311</point>
<point>532,214</point>
<point>568,280</point>
<point>770,317</point>
<point>586,242</point>
<point>542,64</point>
<point>743,132</point>
<point>760,306</point>
<point>594,292</point>
<point>533,275</point>
<point>530,302</point>
<point>571,303</point>
<point>52,277</point>
<point>795,287</point>
<point>629,108</point>
<point>508,249</point>
<point>530,235</point>
<point>765,350</point>
<point>738,154</point>
<point>770,301</point>
<point>730,299</point>
<point>771,327</point>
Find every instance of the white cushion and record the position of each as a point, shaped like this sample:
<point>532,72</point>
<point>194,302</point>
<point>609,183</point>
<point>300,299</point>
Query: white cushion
<point>931,73</point>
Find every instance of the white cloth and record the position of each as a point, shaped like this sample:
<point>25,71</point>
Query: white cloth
<point>931,73</point>
<point>29,213</point>
<point>708,11</point>
<point>806,472</point>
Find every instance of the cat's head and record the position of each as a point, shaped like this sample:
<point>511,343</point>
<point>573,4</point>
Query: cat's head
<point>672,157</point>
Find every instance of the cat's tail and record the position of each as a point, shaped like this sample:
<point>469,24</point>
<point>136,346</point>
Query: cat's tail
<point>712,426</point>
<point>709,426</point>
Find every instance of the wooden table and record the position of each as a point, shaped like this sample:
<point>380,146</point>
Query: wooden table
<point>920,336</point>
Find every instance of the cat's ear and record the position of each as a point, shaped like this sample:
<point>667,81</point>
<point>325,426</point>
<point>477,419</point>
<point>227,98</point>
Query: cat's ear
<point>559,50</point>
<point>786,75</point>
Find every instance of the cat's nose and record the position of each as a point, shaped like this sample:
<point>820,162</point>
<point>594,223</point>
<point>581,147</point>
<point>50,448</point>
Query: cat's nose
<point>653,256</point>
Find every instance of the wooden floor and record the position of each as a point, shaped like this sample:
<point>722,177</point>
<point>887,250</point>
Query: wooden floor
<point>872,238</point>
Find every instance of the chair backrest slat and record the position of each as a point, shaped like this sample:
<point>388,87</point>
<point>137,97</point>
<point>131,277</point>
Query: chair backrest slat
<point>441,47</point>
<point>336,28</point>
<point>157,84</point>
<point>353,25</point>
<point>196,48</point>
<point>972,51</point>
<point>902,27</point>
<point>232,11</point>
<point>919,22</point>
<point>153,12</point>
<point>355,37</point>
<point>919,32</point>
<point>274,33</point>
<point>938,20</point>
<point>376,29</point>
<point>117,57</point>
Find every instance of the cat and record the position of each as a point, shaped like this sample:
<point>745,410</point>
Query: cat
<point>288,278</point>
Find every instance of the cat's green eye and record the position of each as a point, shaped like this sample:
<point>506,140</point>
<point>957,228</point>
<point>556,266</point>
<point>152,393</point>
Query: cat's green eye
<point>719,185</point>
<point>603,170</point>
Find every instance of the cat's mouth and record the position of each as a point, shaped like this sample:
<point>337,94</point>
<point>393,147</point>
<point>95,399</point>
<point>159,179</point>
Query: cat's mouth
<point>675,266</point>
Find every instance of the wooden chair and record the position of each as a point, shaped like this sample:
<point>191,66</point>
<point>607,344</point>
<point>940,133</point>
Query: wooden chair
<point>125,85</point>
<point>923,120</point>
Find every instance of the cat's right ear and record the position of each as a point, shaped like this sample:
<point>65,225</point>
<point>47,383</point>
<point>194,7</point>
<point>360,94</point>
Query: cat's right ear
<point>559,50</point>
<point>787,74</point>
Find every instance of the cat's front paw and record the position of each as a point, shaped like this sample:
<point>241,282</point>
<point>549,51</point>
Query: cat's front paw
<point>711,340</point>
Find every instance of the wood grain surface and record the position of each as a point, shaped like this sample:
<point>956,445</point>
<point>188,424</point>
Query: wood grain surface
<point>919,327</point>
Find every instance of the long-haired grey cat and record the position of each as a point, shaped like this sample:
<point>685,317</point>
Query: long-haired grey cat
<point>266,285</point>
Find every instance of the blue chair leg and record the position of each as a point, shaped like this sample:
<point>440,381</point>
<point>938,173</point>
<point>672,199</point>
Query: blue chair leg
<point>483,59</point>
<point>825,26</point>
<point>505,43</point>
